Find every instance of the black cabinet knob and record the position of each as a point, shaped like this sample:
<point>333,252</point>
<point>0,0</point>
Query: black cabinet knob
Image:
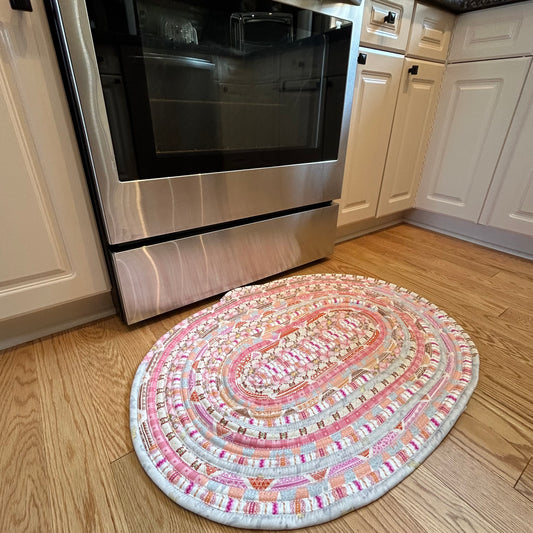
<point>361,59</point>
<point>413,70</point>
<point>390,17</point>
<point>21,5</point>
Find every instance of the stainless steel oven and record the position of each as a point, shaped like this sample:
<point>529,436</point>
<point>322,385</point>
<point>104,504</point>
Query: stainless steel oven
<point>214,134</point>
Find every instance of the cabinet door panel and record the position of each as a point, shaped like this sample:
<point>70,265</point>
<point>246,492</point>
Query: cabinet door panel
<point>431,30</point>
<point>509,203</point>
<point>475,109</point>
<point>503,31</point>
<point>376,88</point>
<point>415,109</point>
<point>386,24</point>
<point>50,250</point>
<point>33,250</point>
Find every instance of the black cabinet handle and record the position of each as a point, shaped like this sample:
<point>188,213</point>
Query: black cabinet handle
<point>413,70</point>
<point>390,17</point>
<point>21,5</point>
<point>361,59</point>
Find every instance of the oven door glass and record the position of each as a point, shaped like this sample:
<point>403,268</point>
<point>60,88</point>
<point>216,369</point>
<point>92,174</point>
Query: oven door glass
<point>208,86</point>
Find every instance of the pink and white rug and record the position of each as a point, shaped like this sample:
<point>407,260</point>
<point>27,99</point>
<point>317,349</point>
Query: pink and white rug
<point>291,403</point>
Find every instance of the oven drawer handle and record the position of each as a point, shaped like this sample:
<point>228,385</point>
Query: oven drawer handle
<point>21,5</point>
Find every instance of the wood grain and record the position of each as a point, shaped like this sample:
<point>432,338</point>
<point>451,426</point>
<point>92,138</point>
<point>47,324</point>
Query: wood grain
<point>67,463</point>
<point>495,436</point>
<point>435,505</point>
<point>497,502</point>
<point>108,364</point>
<point>505,287</point>
<point>523,318</point>
<point>82,494</point>
<point>506,376</point>
<point>384,514</point>
<point>525,484</point>
<point>24,499</point>
<point>477,256</point>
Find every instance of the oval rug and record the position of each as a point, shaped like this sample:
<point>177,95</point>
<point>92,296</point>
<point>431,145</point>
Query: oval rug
<point>291,403</point>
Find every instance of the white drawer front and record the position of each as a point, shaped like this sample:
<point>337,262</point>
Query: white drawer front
<point>431,31</point>
<point>493,33</point>
<point>386,24</point>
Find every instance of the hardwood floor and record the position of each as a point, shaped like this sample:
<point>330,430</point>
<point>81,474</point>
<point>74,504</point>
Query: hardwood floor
<point>66,459</point>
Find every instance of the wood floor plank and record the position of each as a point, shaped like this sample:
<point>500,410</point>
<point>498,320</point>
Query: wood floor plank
<point>426,246</point>
<point>495,436</point>
<point>388,266</point>
<point>516,285</point>
<point>525,487</point>
<point>478,486</point>
<point>521,317</point>
<point>384,514</point>
<point>109,353</point>
<point>431,503</point>
<point>82,493</point>
<point>476,253</point>
<point>24,498</point>
<point>506,376</point>
<point>457,278</point>
<point>454,266</point>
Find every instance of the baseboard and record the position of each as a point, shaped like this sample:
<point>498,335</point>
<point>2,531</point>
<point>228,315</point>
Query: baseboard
<point>497,239</point>
<point>363,227</point>
<point>45,322</point>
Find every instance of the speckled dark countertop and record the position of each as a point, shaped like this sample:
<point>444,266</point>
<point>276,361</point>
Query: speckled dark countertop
<point>462,6</point>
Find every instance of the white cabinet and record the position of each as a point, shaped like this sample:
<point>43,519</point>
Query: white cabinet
<point>386,24</point>
<point>394,104</point>
<point>415,109</point>
<point>431,31</point>
<point>49,246</point>
<point>376,89</point>
<point>491,33</point>
<point>475,110</point>
<point>509,203</point>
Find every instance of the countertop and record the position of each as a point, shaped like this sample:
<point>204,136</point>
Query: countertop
<point>462,6</point>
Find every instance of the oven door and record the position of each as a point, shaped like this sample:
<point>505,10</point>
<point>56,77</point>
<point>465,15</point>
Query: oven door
<point>197,113</point>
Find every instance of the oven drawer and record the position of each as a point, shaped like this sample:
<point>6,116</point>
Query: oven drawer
<point>386,24</point>
<point>161,277</point>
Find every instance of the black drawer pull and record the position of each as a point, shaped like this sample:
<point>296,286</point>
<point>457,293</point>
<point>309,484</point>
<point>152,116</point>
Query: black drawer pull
<point>361,59</point>
<point>413,70</point>
<point>390,18</point>
<point>21,5</point>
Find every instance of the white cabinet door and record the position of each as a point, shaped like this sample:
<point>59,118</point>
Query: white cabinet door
<point>376,89</point>
<point>415,109</point>
<point>477,103</point>
<point>50,252</point>
<point>386,24</point>
<point>431,31</point>
<point>509,203</point>
<point>503,31</point>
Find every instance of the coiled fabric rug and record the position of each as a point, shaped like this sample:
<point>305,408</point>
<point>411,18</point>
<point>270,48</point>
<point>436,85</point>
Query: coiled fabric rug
<point>291,403</point>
